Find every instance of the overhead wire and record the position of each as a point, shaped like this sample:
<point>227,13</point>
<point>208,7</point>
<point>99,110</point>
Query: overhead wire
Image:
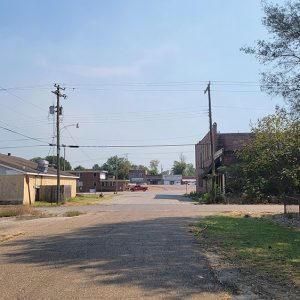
<point>137,118</point>
<point>24,135</point>
<point>21,99</point>
<point>82,151</point>
<point>24,146</point>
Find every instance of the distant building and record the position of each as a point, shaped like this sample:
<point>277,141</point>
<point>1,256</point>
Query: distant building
<point>154,179</point>
<point>191,180</point>
<point>172,179</point>
<point>137,176</point>
<point>225,145</point>
<point>91,181</point>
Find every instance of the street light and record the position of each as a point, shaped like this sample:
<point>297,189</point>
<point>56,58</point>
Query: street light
<point>63,145</point>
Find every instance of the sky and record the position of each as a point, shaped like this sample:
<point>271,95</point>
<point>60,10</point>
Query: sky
<point>134,72</point>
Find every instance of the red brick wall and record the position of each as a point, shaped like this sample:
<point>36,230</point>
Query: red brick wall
<point>230,142</point>
<point>203,157</point>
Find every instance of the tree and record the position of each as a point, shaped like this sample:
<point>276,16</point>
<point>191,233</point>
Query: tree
<point>117,165</point>
<point>189,170</point>
<point>281,52</point>
<point>64,164</point>
<point>36,159</point>
<point>153,169</point>
<point>271,162</point>
<point>79,168</point>
<point>166,172</point>
<point>96,167</point>
<point>179,166</point>
<point>139,167</point>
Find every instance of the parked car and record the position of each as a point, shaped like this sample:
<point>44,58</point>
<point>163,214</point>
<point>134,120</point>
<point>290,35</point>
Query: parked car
<point>138,187</point>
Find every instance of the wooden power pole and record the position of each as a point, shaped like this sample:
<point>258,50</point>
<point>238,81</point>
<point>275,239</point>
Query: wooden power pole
<point>213,169</point>
<point>58,113</point>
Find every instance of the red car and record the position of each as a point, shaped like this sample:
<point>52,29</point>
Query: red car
<point>139,187</point>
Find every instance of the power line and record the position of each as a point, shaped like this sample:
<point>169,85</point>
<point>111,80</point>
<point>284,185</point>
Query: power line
<point>15,140</point>
<point>167,83</point>
<point>73,139</point>
<point>135,154</point>
<point>141,140</point>
<point>94,86</point>
<point>20,147</point>
<point>21,99</point>
<point>24,135</point>
<point>128,146</point>
<point>169,90</point>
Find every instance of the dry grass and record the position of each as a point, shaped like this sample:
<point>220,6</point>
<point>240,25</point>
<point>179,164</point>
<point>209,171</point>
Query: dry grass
<point>16,211</point>
<point>72,213</point>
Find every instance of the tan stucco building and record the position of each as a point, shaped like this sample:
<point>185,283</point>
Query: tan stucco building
<point>21,181</point>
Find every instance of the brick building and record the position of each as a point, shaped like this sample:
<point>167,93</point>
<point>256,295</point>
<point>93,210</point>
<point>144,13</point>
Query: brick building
<point>137,176</point>
<point>224,147</point>
<point>154,179</point>
<point>98,181</point>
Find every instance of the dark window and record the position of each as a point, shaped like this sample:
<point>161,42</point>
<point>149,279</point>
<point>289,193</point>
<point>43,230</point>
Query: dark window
<point>95,183</point>
<point>94,174</point>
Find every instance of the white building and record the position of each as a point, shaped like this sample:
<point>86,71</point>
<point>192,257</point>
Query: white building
<point>172,179</point>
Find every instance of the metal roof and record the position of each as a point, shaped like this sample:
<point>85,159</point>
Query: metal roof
<point>27,166</point>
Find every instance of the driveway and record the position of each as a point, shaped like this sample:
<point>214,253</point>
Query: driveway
<point>135,246</point>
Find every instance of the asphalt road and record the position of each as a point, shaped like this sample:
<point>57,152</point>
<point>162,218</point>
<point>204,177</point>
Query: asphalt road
<point>135,246</point>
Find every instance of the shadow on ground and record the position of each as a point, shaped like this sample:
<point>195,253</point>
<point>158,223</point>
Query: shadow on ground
<point>173,197</point>
<point>158,255</point>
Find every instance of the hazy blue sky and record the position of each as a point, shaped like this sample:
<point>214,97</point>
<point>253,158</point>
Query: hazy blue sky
<point>134,72</point>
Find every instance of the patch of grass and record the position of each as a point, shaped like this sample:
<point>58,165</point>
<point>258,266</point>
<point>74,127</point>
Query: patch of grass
<point>72,213</point>
<point>8,213</point>
<point>266,248</point>
<point>15,211</point>
<point>78,200</point>
<point>86,199</point>
<point>45,204</point>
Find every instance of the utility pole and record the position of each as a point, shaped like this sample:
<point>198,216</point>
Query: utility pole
<point>116,174</point>
<point>213,169</point>
<point>58,113</point>
<point>64,156</point>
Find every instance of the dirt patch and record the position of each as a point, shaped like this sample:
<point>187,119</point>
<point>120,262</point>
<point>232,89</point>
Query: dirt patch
<point>243,283</point>
<point>286,220</point>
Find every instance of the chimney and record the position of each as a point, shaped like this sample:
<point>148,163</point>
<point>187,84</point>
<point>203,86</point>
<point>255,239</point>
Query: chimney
<point>215,128</point>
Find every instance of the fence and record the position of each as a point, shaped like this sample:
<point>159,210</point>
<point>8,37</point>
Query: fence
<point>292,204</point>
<point>48,193</point>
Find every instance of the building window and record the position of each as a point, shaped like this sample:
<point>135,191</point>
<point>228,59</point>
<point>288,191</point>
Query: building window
<point>95,174</point>
<point>95,184</point>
